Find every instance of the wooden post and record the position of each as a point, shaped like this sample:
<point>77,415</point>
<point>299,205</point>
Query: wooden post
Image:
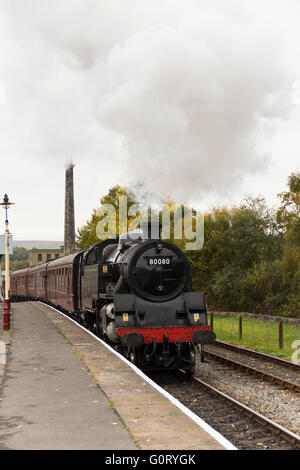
<point>280,335</point>
<point>240,327</point>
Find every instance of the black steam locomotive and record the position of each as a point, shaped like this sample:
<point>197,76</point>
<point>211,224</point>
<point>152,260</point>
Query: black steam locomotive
<point>135,292</point>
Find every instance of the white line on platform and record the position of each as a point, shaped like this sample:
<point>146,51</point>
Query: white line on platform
<point>206,427</point>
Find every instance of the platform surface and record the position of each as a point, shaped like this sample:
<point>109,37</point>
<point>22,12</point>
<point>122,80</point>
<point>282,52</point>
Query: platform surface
<point>48,398</point>
<point>63,389</point>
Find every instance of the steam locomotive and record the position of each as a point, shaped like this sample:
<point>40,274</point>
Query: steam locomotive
<point>135,292</point>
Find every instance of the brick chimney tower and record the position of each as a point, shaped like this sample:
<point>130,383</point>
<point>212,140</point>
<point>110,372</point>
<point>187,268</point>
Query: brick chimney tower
<point>69,212</point>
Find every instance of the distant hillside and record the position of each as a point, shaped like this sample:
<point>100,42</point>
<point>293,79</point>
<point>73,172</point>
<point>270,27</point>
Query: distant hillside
<point>28,244</point>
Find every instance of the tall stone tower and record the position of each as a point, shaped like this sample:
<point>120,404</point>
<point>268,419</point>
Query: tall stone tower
<point>69,212</point>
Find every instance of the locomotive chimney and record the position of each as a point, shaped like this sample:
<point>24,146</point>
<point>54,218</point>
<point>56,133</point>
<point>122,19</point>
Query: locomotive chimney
<point>151,230</point>
<point>69,212</point>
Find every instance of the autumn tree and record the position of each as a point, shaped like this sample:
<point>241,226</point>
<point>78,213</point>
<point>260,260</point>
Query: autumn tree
<point>237,243</point>
<point>288,216</point>
<point>88,233</point>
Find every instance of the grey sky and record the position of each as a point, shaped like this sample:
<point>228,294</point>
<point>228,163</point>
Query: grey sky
<point>198,99</point>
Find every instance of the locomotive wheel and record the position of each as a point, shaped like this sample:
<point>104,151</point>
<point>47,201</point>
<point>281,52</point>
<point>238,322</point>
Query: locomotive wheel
<point>132,356</point>
<point>192,354</point>
<point>191,369</point>
<point>99,331</point>
<point>202,354</point>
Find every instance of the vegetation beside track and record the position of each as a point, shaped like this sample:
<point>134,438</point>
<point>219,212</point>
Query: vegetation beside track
<point>258,335</point>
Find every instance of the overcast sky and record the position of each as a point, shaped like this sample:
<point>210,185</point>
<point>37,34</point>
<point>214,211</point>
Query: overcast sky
<point>195,99</point>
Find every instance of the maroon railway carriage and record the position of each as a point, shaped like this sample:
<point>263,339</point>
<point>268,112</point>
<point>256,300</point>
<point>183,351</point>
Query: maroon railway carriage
<point>18,284</point>
<point>37,282</point>
<point>62,282</point>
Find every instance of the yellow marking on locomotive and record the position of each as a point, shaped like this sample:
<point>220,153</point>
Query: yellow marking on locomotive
<point>104,269</point>
<point>125,317</point>
<point>196,317</point>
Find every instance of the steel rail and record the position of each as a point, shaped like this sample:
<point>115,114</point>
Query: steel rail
<point>252,370</point>
<point>261,355</point>
<point>268,424</point>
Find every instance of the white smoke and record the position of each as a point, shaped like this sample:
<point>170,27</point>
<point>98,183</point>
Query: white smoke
<point>176,93</point>
<point>191,95</point>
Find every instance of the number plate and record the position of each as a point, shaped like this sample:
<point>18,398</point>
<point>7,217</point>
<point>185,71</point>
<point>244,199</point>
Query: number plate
<point>158,260</point>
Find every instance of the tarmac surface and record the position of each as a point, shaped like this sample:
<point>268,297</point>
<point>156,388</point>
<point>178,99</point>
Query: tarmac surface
<point>63,389</point>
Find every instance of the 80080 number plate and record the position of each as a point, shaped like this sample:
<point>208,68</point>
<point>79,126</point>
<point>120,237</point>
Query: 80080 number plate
<point>158,260</point>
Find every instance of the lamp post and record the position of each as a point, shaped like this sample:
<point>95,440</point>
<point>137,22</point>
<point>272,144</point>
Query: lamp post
<point>6,317</point>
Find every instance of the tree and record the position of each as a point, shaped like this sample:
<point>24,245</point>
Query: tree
<point>288,215</point>
<point>88,233</point>
<point>20,254</point>
<point>238,241</point>
<point>18,260</point>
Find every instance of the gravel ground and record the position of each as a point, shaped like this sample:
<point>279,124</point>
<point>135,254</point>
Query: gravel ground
<point>231,423</point>
<point>270,400</point>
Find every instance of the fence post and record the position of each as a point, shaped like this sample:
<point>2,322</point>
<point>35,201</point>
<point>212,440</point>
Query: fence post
<point>212,320</point>
<point>240,327</point>
<point>280,335</point>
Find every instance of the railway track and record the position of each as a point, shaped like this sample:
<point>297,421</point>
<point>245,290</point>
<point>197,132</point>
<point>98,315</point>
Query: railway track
<point>266,423</point>
<point>244,427</point>
<point>258,354</point>
<point>252,370</point>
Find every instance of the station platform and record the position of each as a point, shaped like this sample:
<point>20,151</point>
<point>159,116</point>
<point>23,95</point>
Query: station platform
<point>64,389</point>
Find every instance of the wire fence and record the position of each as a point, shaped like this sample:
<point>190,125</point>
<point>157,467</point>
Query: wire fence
<point>272,336</point>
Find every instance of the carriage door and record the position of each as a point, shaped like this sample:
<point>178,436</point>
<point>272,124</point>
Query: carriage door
<point>45,284</point>
<point>68,281</point>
